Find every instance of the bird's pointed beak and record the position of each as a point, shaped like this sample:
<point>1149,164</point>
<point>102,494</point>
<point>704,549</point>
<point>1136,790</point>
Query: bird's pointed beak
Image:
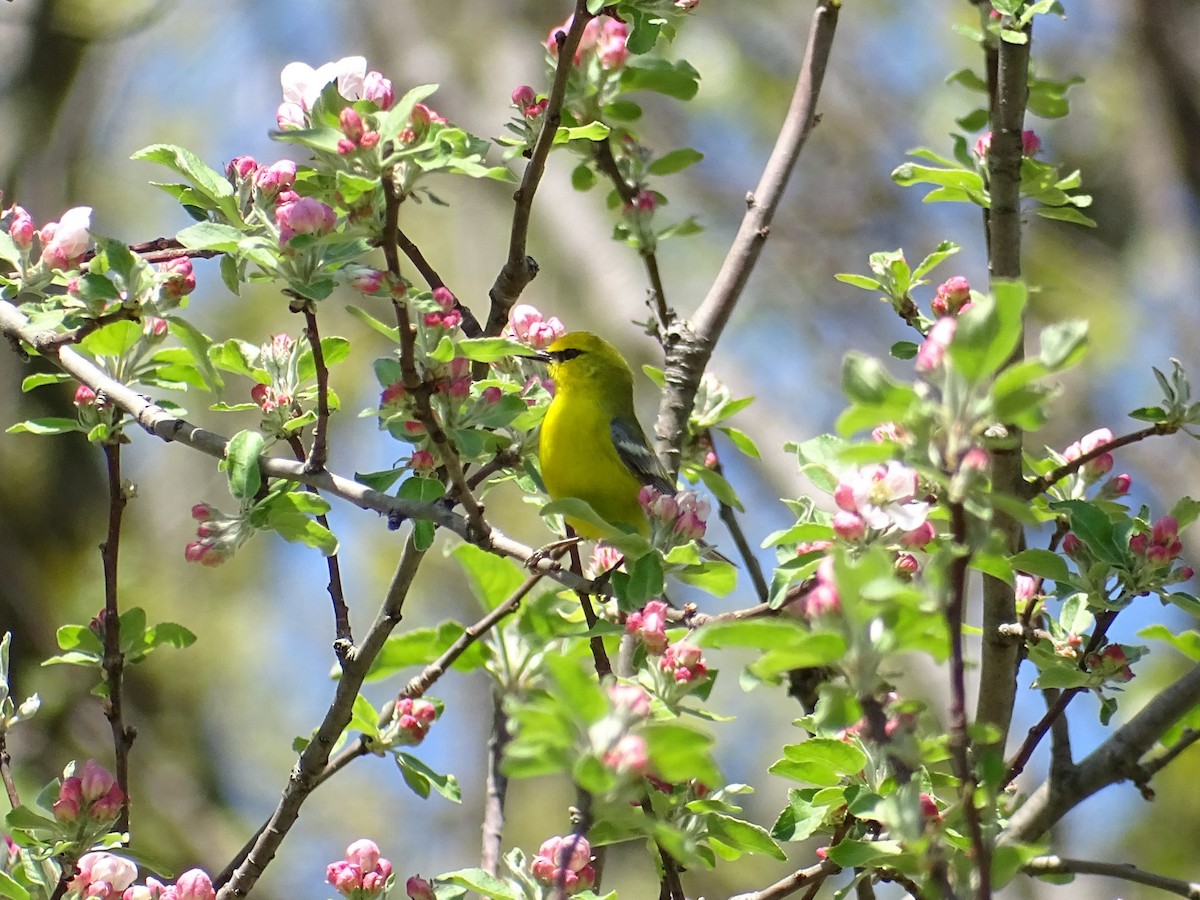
<point>540,356</point>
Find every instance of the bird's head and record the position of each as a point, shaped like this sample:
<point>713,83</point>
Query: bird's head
<point>580,358</point>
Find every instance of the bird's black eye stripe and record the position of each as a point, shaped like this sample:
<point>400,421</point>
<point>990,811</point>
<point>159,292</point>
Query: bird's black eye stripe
<point>564,355</point>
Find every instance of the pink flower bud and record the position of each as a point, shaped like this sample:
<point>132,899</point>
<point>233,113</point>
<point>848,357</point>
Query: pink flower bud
<point>365,279</point>
<point>650,626</point>
<point>951,296</point>
<point>919,536</point>
<point>1073,546</point>
<point>154,328</point>
<point>241,167</point>
<point>95,781</point>
<point>345,877</point>
<point>645,201</point>
<point>108,806</point>
<point>1030,143</point>
<point>1026,588</point>
<point>492,394</point>
<point>906,565</point>
<point>351,124</point>
<point>194,884</point>
<point>611,44</point>
<point>364,853</point>
<point>303,216</point>
<point>523,96</point>
<point>418,888</point>
<point>69,802</point>
<point>20,228</point>
<point>422,461</point>
<point>930,353</point>
<point>628,756</point>
<point>84,396</point>
<point>843,496</point>
<point>65,241</point>
<point>378,90</point>
<point>279,176</point>
<point>444,298</point>
<point>630,699</point>
<point>848,526</point>
<point>291,117</point>
<point>929,808</point>
<point>1121,484</point>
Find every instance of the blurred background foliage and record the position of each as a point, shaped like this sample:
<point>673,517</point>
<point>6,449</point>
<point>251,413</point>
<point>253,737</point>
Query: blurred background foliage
<point>87,82</point>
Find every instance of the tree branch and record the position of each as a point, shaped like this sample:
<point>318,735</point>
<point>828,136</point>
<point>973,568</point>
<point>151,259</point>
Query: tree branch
<point>520,269</point>
<point>1054,476</point>
<point>1113,761</point>
<point>1060,865</point>
<point>318,453</point>
<point>162,424</point>
<point>689,346</point>
<point>1001,654</point>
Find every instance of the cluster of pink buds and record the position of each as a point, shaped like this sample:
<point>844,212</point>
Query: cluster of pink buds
<point>102,876</point>
<point>357,136</point>
<point>194,884</point>
<point>649,625</point>
<point>20,227</point>
<point>92,794</point>
<point>362,874</point>
<point>447,316</point>
<point>1030,144</point>
<point>1110,664</point>
<point>410,723</point>
<point>565,861</point>
<point>176,279</point>
<point>603,37</point>
<point>684,662</point>
<point>630,701</point>
<point>1068,647</point>
<point>218,535</point>
<point>683,516</point>
<point>420,120</point>
<point>931,353</point>
<point>929,809</point>
<point>1162,545</point>
<point>302,86</point>
<point>1094,469</point>
<point>953,297</point>
<point>280,358</point>
<point>527,325</point>
<point>605,557</point>
<point>526,100</point>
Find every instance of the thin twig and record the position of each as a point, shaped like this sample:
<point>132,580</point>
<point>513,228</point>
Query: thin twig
<point>496,790</point>
<point>1061,865</point>
<point>343,636</point>
<point>1038,731</point>
<point>787,886</point>
<point>75,335</point>
<point>318,453</point>
<point>729,517</point>
<point>596,642</point>
<point>1156,765</point>
<point>960,740</point>
<point>470,325</point>
<point>688,348</point>
<point>1054,476</point>
<point>305,776</point>
<point>416,386</point>
<point>607,163</point>
<point>519,269</point>
<point>113,663</point>
<point>10,786</point>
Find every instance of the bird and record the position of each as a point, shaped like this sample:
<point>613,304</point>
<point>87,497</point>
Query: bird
<point>591,445</point>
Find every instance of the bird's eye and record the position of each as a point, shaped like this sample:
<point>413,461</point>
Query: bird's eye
<point>568,353</point>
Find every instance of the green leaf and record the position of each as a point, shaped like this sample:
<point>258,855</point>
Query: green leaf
<point>493,578</point>
<point>761,634</point>
<point>808,651</point>
<point>481,883</point>
<point>675,161</point>
<point>940,253</point>
<point>855,854</point>
<point>419,647</point>
<point>578,690</point>
<point>1066,214</point>
<point>211,184</point>
<point>11,889</point>
<point>838,756</point>
<point>289,515</point>
<point>1187,642</point>
<point>210,236</point>
<point>245,476</point>
<point>114,339</point>
<point>37,380</point>
<point>678,80</point>
<point>593,131</point>
<point>1042,563</point>
<point>583,178</point>
<point>645,581</point>
<point>743,836</point>
<point>47,425</point>
<point>988,332</point>
<point>680,753</point>
<point>863,281</point>
<point>489,350</point>
<point>800,819</point>
<point>421,778</point>
<point>391,332</point>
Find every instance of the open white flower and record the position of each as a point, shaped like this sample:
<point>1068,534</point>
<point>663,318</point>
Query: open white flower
<point>885,495</point>
<point>302,84</point>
